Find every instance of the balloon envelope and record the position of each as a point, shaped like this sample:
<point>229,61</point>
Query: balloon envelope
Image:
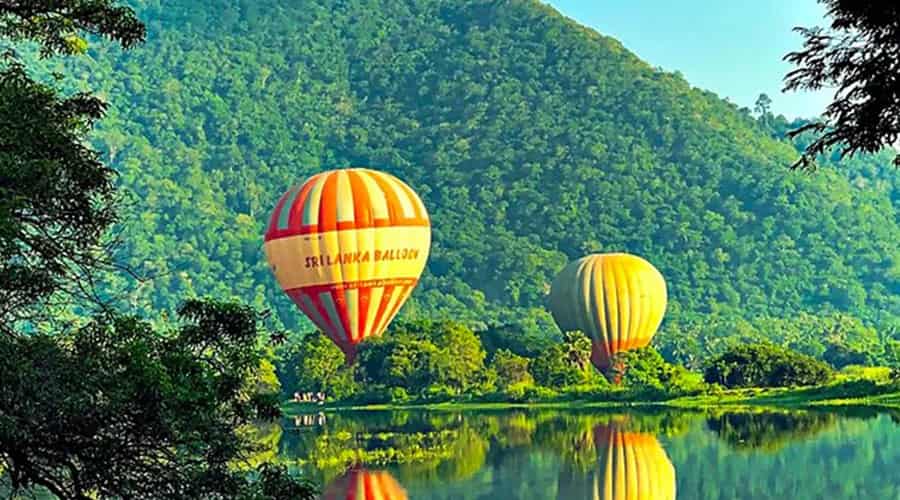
<point>348,247</point>
<point>632,466</point>
<point>617,299</point>
<point>361,484</point>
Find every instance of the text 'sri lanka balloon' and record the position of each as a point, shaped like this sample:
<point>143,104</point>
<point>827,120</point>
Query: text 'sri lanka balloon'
<point>632,466</point>
<point>361,484</point>
<point>617,299</point>
<point>348,247</point>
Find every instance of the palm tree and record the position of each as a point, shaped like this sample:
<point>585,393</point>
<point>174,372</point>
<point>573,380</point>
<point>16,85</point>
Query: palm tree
<point>578,349</point>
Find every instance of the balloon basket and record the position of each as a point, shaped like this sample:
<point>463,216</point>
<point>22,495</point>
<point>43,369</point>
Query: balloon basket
<point>615,372</point>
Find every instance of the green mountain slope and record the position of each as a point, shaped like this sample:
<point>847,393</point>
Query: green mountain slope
<point>531,139</point>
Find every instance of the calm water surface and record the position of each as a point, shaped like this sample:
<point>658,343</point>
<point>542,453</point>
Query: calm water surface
<point>516,454</point>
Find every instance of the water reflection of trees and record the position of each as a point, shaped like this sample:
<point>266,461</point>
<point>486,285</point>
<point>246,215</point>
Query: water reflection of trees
<point>768,430</point>
<point>424,444</point>
<point>423,447</point>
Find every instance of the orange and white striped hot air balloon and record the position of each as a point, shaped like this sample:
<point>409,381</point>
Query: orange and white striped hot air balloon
<point>348,247</point>
<point>361,484</point>
<point>617,299</point>
<point>632,466</point>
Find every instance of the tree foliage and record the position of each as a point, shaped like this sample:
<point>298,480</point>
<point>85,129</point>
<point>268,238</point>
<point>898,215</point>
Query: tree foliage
<point>553,368</point>
<point>511,369</point>
<point>531,140</point>
<point>117,409</point>
<point>421,356</point>
<point>765,365</point>
<point>316,364</point>
<point>56,198</point>
<point>856,55</point>
<point>57,26</point>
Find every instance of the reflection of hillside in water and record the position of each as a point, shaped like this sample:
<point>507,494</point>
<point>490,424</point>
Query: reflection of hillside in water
<point>629,466</point>
<point>363,484</point>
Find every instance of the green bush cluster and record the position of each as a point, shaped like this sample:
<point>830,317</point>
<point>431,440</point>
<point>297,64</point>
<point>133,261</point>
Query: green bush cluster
<point>440,361</point>
<point>766,365</point>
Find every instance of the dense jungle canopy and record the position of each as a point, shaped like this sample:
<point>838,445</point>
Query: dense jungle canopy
<point>532,141</point>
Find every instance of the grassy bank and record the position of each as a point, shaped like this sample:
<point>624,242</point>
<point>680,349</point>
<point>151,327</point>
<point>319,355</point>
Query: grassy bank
<point>858,392</point>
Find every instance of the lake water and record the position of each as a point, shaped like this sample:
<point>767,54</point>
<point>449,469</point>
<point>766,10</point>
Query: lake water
<point>519,454</point>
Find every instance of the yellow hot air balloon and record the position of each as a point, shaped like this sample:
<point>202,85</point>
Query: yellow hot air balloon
<point>348,247</point>
<point>631,466</point>
<point>361,484</point>
<point>617,299</point>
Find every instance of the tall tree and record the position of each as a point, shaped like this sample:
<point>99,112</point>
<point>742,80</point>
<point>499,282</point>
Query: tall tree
<point>763,104</point>
<point>858,56</point>
<point>115,409</point>
<point>118,410</point>
<point>57,199</point>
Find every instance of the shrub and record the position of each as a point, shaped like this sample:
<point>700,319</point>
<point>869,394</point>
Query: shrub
<point>647,374</point>
<point>439,394</point>
<point>374,395</point>
<point>516,392</point>
<point>766,365</point>
<point>536,393</point>
<point>553,368</point>
<point>586,391</point>
<point>398,395</point>
<point>511,368</point>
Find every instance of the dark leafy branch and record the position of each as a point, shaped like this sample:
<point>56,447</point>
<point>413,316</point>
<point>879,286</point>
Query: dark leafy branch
<point>859,57</point>
<point>57,25</point>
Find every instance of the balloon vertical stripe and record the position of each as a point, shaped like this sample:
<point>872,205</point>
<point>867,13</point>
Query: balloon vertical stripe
<point>381,316</point>
<point>328,203</point>
<point>276,214</point>
<point>375,295</point>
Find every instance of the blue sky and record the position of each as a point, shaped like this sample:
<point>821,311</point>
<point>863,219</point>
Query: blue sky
<point>732,47</point>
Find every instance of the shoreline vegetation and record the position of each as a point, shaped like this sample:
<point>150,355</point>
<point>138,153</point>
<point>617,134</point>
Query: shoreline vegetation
<point>445,365</point>
<point>843,394</point>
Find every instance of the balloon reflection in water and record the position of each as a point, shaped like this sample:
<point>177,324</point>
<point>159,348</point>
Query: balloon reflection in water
<point>632,466</point>
<point>362,484</point>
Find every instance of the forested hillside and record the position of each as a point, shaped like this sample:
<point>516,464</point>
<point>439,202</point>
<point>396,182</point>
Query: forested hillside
<point>531,139</point>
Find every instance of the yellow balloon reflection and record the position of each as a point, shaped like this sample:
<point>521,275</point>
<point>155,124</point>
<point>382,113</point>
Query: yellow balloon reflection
<point>362,484</point>
<point>631,466</point>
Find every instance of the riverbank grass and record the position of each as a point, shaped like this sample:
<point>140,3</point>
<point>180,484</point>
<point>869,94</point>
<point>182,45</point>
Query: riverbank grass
<point>870,390</point>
